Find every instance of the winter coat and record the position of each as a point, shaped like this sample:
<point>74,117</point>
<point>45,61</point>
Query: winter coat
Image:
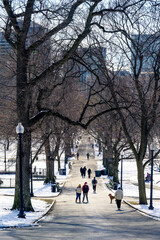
<point>78,190</point>
<point>119,194</point>
<point>85,188</point>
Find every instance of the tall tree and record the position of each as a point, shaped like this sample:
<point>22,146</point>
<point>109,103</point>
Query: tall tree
<point>18,17</point>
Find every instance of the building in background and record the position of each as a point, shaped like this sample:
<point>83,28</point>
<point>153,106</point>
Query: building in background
<point>145,48</point>
<point>85,65</point>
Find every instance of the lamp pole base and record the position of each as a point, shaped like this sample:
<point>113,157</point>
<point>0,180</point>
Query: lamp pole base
<point>151,207</point>
<point>21,214</point>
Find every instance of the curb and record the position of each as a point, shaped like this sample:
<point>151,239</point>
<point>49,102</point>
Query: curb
<point>138,210</point>
<point>44,214</point>
<point>141,212</point>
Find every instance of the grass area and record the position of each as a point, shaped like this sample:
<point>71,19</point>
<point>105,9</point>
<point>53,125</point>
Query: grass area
<point>49,201</point>
<point>133,202</point>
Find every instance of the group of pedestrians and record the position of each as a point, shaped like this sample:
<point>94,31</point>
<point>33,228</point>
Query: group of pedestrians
<point>88,155</point>
<point>85,190</point>
<point>84,170</point>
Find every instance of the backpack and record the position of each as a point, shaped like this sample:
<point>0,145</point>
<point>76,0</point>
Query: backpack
<point>85,188</point>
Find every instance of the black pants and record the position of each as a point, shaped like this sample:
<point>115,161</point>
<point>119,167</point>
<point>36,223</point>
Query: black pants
<point>118,203</point>
<point>94,188</point>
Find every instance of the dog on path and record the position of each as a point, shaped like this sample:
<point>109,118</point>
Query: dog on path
<point>111,197</point>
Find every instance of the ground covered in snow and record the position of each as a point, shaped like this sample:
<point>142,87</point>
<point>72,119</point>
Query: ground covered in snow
<point>43,193</point>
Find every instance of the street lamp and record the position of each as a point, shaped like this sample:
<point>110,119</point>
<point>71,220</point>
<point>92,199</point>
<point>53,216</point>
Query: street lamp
<point>122,153</point>
<point>20,131</point>
<point>151,186</point>
<point>31,193</point>
<point>5,156</point>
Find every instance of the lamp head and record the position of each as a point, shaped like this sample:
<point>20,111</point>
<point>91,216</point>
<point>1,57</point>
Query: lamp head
<point>152,146</point>
<point>20,128</point>
<point>122,152</point>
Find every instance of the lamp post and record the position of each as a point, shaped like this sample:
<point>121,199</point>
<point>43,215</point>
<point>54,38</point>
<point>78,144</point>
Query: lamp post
<point>31,193</point>
<point>20,131</point>
<point>5,156</point>
<point>122,169</point>
<point>151,185</point>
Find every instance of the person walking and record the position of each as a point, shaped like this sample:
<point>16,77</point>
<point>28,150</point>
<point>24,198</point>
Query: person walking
<point>87,156</point>
<point>118,197</point>
<point>94,184</point>
<point>81,171</point>
<point>77,155</point>
<point>78,193</point>
<point>89,173</point>
<point>85,190</point>
<point>84,171</point>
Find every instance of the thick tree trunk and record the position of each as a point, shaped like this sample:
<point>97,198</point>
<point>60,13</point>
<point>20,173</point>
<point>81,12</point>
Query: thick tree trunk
<point>59,163</point>
<point>26,147</point>
<point>105,157</point>
<point>23,106</point>
<point>67,142</point>
<point>141,183</point>
<point>115,169</point>
<point>49,163</point>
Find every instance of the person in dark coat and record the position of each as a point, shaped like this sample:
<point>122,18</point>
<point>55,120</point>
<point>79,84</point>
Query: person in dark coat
<point>89,173</point>
<point>84,171</point>
<point>85,190</point>
<point>94,184</point>
<point>81,171</point>
<point>77,155</point>
<point>87,156</point>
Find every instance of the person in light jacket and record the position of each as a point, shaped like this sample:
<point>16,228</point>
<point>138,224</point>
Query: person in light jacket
<point>119,197</point>
<point>78,193</point>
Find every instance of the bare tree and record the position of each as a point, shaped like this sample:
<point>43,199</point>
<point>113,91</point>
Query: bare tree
<point>57,17</point>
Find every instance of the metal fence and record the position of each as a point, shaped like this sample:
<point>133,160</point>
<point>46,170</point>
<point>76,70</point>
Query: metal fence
<point>7,182</point>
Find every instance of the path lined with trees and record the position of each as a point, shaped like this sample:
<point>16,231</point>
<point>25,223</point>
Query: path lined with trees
<point>97,219</point>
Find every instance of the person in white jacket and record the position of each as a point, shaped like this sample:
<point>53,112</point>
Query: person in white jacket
<point>78,193</point>
<point>119,197</point>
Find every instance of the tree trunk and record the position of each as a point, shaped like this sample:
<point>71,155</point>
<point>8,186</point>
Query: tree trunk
<point>59,163</point>
<point>141,182</point>
<point>67,142</point>
<point>115,169</point>
<point>26,147</point>
<point>99,146</point>
<point>23,106</point>
<point>105,157</point>
<point>49,163</point>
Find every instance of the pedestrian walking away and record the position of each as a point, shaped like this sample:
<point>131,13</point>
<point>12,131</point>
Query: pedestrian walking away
<point>77,155</point>
<point>119,197</point>
<point>78,193</point>
<point>94,184</point>
<point>85,190</point>
<point>87,156</point>
<point>89,173</point>
<point>84,171</point>
<point>81,171</point>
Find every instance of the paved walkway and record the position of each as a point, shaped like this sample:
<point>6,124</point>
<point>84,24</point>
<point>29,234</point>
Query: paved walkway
<point>95,220</point>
